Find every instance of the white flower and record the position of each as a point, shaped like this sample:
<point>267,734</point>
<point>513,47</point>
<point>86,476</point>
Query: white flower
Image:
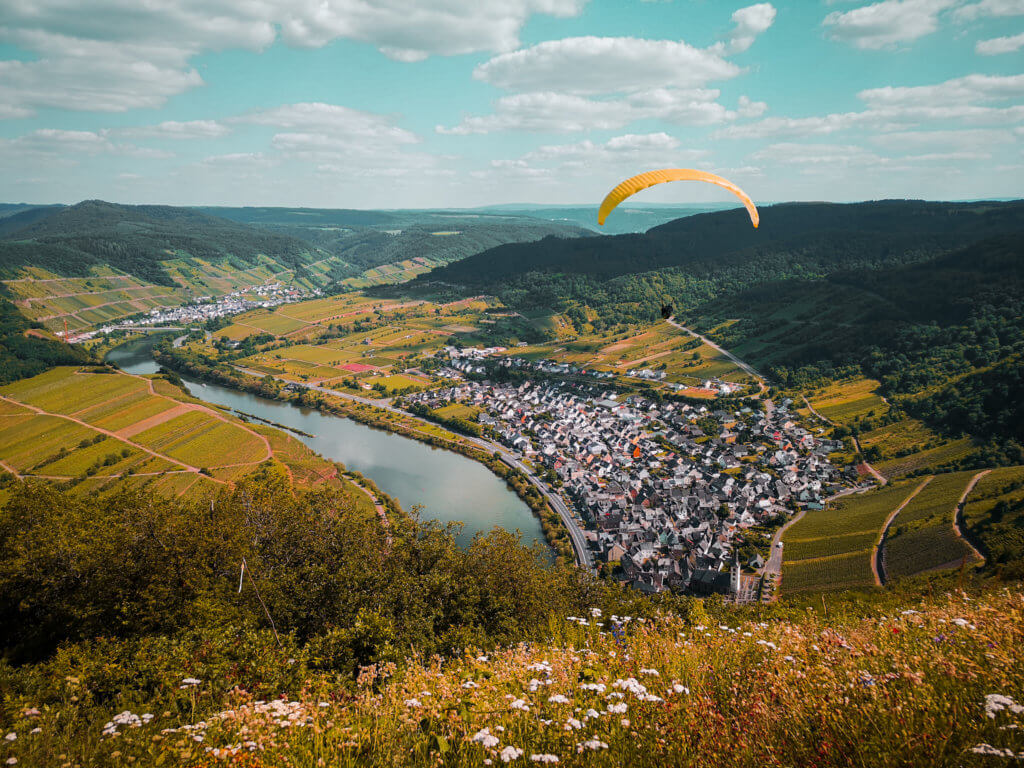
<point>572,723</point>
<point>677,688</point>
<point>994,703</point>
<point>964,623</point>
<point>323,704</point>
<point>594,744</point>
<point>11,736</point>
<point>599,687</point>
<point>12,761</point>
<point>544,758</point>
<point>470,684</point>
<point>36,730</point>
<point>618,709</point>
<point>649,672</point>
<point>519,704</point>
<point>508,754</point>
<point>988,749</point>
<point>484,737</point>
<point>595,612</point>
<point>558,699</point>
<point>590,714</point>
<point>413,703</point>
<point>188,681</point>
<point>625,722</point>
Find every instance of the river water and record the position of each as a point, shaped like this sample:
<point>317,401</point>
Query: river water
<point>447,485</point>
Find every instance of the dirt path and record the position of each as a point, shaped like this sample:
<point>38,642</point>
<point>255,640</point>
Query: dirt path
<point>958,512</point>
<point>878,551</point>
<point>108,433</point>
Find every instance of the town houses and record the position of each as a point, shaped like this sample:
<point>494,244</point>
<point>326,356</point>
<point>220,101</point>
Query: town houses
<point>666,491</point>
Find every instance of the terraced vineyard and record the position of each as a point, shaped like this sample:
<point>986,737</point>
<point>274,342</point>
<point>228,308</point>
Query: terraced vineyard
<point>101,431</point>
<point>832,548</point>
<point>994,516</point>
<point>921,538</point>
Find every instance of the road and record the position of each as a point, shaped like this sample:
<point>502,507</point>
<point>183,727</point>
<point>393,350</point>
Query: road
<point>958,513</point>
<point>584,558</point>
<point>746,367</point>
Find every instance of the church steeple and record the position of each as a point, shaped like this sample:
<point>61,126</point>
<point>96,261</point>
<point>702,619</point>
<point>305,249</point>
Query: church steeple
<point>734,582</point>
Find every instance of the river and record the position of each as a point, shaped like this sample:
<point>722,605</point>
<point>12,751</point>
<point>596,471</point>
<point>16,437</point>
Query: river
<point>448,486</point>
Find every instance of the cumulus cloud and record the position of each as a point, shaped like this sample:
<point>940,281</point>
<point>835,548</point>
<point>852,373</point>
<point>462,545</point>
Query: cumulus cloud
<point>999,45</point>
<point>173,129</point>
<point>549,112</point>
<point>970,100</point>
<point>114,55</point>
<point>990,8</point>
<point>886,24</point>
<point>750,22</point>
<point>67,146</point>
<point>605,65</point>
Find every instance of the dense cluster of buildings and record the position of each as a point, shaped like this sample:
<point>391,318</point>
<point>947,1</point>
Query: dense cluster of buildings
<point>205,308</point>
<point>666,491</point>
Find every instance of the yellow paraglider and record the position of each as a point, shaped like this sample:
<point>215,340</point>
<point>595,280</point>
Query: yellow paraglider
<point>644,180</point>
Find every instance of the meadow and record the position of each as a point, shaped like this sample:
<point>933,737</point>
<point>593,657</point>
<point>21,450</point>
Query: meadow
<point>843,402</point>
<point>931,682</point>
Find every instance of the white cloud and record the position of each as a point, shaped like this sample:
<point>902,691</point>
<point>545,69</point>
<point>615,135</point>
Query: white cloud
<point>750,22</point>
<point>337,123</point>
<point>960,139</point>
<point>549,112</point>
<point>173,129</point>
<point>605,65</point>
<point>999,45</point>
<point>969,100</point>
<point>114,55</point>
<point>885,24</point>
<point>997,8</point>
<point>47,144</point>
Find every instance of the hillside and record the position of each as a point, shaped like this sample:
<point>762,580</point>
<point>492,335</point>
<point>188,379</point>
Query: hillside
<point>136,239</point>
<point>926,298</point>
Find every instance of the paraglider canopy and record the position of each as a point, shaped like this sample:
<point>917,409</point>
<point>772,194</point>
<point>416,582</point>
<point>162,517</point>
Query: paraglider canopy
<point>634,184</point>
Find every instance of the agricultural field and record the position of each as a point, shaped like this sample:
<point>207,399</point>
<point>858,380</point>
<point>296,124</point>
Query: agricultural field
<point>994,515</point>
<point>921,537</point>
<point>909,445</point>
<point>847,401</point>
<point>100,432</point>
<point>832,548</point>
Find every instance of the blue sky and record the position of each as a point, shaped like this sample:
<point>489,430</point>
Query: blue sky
<point>395,103</point>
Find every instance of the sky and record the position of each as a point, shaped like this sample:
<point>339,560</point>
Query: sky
<point>462,103</point>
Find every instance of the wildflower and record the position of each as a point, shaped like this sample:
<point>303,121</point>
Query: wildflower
<point>31,712</point>
<point>413,703</point>
<point>558,699</point>
<point>649,672</point>
<point>324,704</point>
<point>12,761</point>
<point>590,714</point>
<point>994,703</point>
<point>625,722</point>
<point>618,709</point>
<point>599,687</point>
<point>988,749</point>
<point>595,612</point>
<point>190,681</point>
<point>11,736</point>
<point>482,659</point>
<point>594,744</point>
<point>572,723</point>
<point>677,688</point>
<point>508,754</point>
<point>470,684</point>
<point>964,623</point>
<point>519,704</point>
<point>36,730</point>
<point>485,737</point>
<point>544,758</point>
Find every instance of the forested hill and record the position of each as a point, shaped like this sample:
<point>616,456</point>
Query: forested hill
<point>928,298</point>
<point>135,239</point>
<point>804,237</point>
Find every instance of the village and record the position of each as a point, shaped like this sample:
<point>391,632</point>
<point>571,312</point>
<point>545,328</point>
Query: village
<point>670,495</point>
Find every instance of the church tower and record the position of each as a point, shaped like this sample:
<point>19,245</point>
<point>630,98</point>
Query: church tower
<point>734,581</point>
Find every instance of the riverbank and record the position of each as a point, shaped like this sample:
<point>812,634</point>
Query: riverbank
<point>404,425</point>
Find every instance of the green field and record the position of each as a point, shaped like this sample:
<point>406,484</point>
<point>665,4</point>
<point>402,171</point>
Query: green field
<point>994,516</point>
<point>921,537</point>
<point>846,401</point>
<point>832,548</point>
